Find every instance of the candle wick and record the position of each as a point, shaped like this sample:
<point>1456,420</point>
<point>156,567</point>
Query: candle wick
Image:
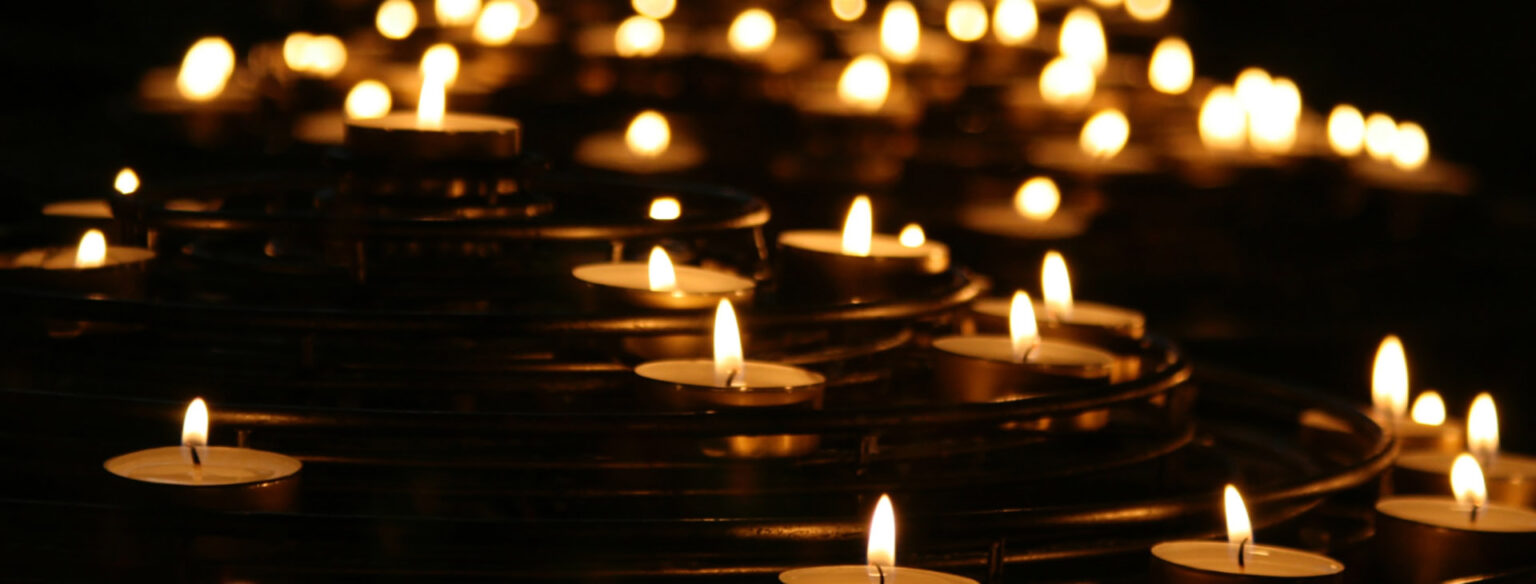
<point>881,572</point>
<point>730,378</point>
<point>196,460</point>
<point>1242,561</point>
<point>1475,509</point>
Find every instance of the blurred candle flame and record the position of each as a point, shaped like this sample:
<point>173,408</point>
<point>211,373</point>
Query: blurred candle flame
<point>912,236</point>
<point>368,99</point>
<point>657,9</point>
<point>648,134</point>
<point>1483,429</point>
<point>92,251</point>
<point>752,31</point>
<point>662,276</point>
<point>1389,379</point>
<point>396,19</point>
<point>1067,83</point>
<point>900,32</point>
<point>1015,22</point>
<point>1148,10</point>
<point>1428,409</point>
<point>498,23</point>
<point>1380,136</point>
<point>1239,528</point>
<point>527,13</point>
<point>859,227</point>
<point>1023,331</point>
<point>432,105</point>
<point>666,209</point>
<point>1056,284</point>
<point>456,12</point>
<point>848,10</point>
<point>730,370</point>
<point>440,64</point>
<point>1082,38</point>
<point>1411,149</point>
<point>966,20</point>
<point>127,181</point>
<point>206,69</point>
<point>865,83</point>
<point>1105,134</point>
<point>1172,69</point>
<point>321,56</point>
<point>1223,123</point>
<point>639,36</point>
<point>1274,112</point>
<point>1252,87</point>
<point>880,554</point>
<point>1346,130</point>
<point>1468,484</point>
<point>1037,198</point>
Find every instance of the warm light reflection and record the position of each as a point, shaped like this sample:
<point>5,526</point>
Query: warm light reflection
<point>638,36</point>
<point>657,9</point>
<point>859,227</point>
<point>865,83</point>
<point>912,236</point>
<point>1411,149</point>
<point>1015,22</point>
<point>661,275</point>
<point>1468,484</point>
<point>527,13</point>
<point>1105,134</point>
<point>498,23</point>
<point>1252,87</point>
<point>648,134</point>
<point>1483,429</point>
<point>1273,119</point>
<point>848,10</point>
<point>1223,123</point>
<point>432,105</point>
<point>1067,83</point>
<point>1428,409</point>
<point>1346,130</point>
<point>966,20</point>
<point>752,31</point>
<point>456,12</point>
<point>1172,68</point>
<point>1389,379</point>
<point>1148,10</point>
<point>880,555</point>
<point>322,56</point>
<point>1037,199</point>
<point>729,369</point>
<point>368,99</point>
<point>899,31</point>
<point>1056,286</point>
<point>127,181</point>
<point>1023,331</point>
<point>1239,528</point>
<point>396,19</point>
<point>440,64</point>
<point>293,49</point>
<point>206,69</point>
<point>92,251</point>
<point>1082,38</point>
<point>1105,3</point>
<point>1380,136</point>
<point>194,424</point>
<point>665,209</point>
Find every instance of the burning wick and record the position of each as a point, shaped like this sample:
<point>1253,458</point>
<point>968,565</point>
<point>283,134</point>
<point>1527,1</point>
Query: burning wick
<point>880,572</point>
<point>1242,560</point>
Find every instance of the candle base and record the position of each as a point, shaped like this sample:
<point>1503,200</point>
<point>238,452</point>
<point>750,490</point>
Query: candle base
<point>964,378</point>
<point>679,385</point>
<point>233,479</point>
<point>1209,562</point>
<point>123,275</point>
<point>817,276</point>
<point>1510,480</point>
<point>1413,552</point>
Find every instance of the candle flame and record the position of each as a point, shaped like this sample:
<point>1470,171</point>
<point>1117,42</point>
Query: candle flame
<point>966,20</point>
<point>1105,134</point>
<point>729,365</point>
<point>1223,123</point>
<point>1148,10</point>
<point>1067,83</point>
<point>194,424</point>
<point>657,9</point>
<point>880,555</point>
<point>368,99</point>
<point>498,23</point>
<point>1172,69</point>
<point>456,12</point>
<point>1023,331</point>
<point>648,134</point>
<point>666,209</point>
<point>92,251</point>
<point>900,32</point>
<point>1239,529</point>
<point>1483,429</point>
<point>1411,149</point>
<point>639,36</point>
<point>1380,136</point>
<point>206,69</point>
<point>321,56</point>
<point>1082,38</point>
<point>912,236</point>
<point>1467,481</point>
<point>127,181</point>
<point>848,10</point>
<point>1252,87</point>
<point>527,13</point>
<point>663,277</point>
<point>752,31</point>
<point>1346,130</point>
<point>859,227</point>
<point>1037,198</point>
<point>1015,22</point>
<point>440,63</point>
<point>396,19</point>
<point>432,105</point>
<point>1274,110</point>
<point>1428,409</point>
<point>1056,284</point>
<point>1389,379</point>
<point>865,83</point>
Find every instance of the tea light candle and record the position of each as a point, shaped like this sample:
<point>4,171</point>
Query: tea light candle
<point>1433,539</point>
<point>727,382</point>
<point>880,558</point>
<point>1426,428</point>
<point>1113,327</point>
<point>1035,211</point>
<point>659,284</point>
<point>857,265</point>
<point>989,368</point>
<point>1238,559</point>
<point>648,146</point>
<point>91,267</point>
<point>1509,479</point>
<point>433,134</point>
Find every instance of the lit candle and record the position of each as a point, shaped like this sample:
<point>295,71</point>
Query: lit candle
<point>647,146</point>
<point>368,99</point>
<point>880,560</point>
<point>1100,148</point>
<point>1060,315</point>
<point>1421,429</point>
<point>91,267</point>
<point>1510,478</point>
<point>1424,540</point>
<point>1239,559</point>
<point>433,133</point>
<point>1172,68</point>
<point>126,183</point>
<point>658,284</point>
<point>1035,210</point>
<point>1019,365</point>
<point>729,381</point>
<point>857,265</point>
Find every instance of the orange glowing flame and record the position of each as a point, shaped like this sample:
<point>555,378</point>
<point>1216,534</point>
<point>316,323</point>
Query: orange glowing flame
<point>1389,379</point>
<point>648,134</point>
<point>440,64</point>
<point>1172,68</point>
<point>1037,199</point>
<point>194,425</point>
<point>1023,331</point>
<point>321,56</point>
<point>1380,136</point>
<point>498,23</point>
<point>865,83</point>
<point>1148,10</point>
<point>1239,529</point>
<point>127,181</point>
<point>663,277</point>
<point>912,236</point>
<point>1082,38</point>
<point>396,19</point>
<point>1056,284</point>
<point>966,20</point>
<point>1274,111</point>
<point>1223,123</point>
<point>1105,134</point>
<point>1483,429</point>
<point>1252,86</point>
<point>92,251</point>
<point>729,365</point>
<point>859,227</point>
<point>368,99</point>
<point>666,209</point>
<point>432,105</point>
<point>1428,409</point>
<point>456,12</point>
<point>848,10</point>
<point>752,31</point>
<point>1067,83</point>
<point>1411,149</point>
<point>639,36</point>
<point>206,69</point>
<point>527,13</point>
<point>1467,482</point>
<point>1015,22</point>
<point>657,9</point>
<point>899,31</point>
<point>1346,130</point>
<point>880,555</point>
